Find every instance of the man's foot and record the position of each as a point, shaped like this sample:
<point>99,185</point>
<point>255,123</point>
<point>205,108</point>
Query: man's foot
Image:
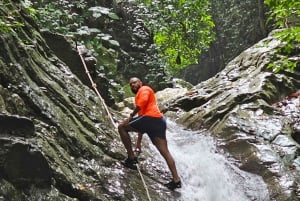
<point>172,185</point>
<point>130,163</point>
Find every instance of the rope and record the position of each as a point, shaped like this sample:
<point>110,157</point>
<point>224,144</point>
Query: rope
<point>144,183</point>
<point>140,173</point>
<point>95,88</point>
<point>109,115</point>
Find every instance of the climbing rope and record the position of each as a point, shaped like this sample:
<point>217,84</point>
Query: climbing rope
<point>95,87</point>
<point>144,183</point>
<point>108,113</point>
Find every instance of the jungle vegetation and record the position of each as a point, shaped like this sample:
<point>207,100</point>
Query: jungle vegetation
<point>179,38</point>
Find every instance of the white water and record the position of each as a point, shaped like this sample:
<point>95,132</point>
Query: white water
<point>207,175</point>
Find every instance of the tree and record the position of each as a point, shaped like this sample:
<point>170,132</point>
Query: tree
<point>182,29</point>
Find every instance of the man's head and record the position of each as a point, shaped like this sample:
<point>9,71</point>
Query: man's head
<point>135,84</point>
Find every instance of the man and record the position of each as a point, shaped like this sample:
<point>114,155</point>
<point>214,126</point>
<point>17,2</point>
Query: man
<point>150,120</point>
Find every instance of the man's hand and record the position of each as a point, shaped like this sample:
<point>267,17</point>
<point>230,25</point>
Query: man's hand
<point>126,121</point>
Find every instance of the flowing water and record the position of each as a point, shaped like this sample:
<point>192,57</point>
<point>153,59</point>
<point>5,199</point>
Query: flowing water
<point>208,175</point>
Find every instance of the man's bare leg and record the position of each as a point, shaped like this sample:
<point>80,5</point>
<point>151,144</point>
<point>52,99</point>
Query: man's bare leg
<point>138,147</point>
<point>162,146</point>
<point>123,131</point>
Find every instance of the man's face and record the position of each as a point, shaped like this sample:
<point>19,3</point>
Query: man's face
<point>135,85</point>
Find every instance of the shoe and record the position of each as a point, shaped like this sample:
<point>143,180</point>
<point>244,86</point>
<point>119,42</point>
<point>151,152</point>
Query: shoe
<point>130,163</point>
<point>172,185</point>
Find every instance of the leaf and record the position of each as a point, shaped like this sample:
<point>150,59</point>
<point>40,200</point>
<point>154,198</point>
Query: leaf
<point>106,37</point>
<point>113,16</point>
<point>82,32</point>
<point>97,14</point>
<point>100,9</point>
<point>114,42</point>
<point>94,30</point>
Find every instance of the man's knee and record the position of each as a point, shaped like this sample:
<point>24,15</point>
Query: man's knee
<point>124,128</point>
<point>121,128</point>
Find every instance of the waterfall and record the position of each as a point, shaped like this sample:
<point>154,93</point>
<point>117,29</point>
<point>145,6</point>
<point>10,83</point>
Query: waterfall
<point>206,174</point>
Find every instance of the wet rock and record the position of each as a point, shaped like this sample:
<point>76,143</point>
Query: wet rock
<point>69,52</point>
<point>167,97</point>
<point>24,166</point>
<point>254,113</point>
<point>296,136</point>
<point>9,192</point>
<point>73,150</point>
<point>49,121</point>
<point>13,125</point>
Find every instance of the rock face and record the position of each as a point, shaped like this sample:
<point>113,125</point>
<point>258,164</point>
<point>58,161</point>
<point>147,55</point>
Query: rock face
<point>245,107</point>
<point>67,51</point>
<point>57,142</point>
<point>136,41</point>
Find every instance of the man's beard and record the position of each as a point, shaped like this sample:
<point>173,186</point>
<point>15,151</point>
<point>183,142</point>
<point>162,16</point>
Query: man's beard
<point>135,90</point>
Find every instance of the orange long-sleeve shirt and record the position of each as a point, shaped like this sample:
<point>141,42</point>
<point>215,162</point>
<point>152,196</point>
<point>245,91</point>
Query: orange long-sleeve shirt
<point>145,99</point>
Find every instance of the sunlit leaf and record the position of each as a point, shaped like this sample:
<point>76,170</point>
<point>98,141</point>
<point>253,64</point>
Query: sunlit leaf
<point>97,14</point>
<point>113,16</point>
<point>114,42</point>
<point>94,30</point>
<point>99,9</point>
<point>106,37</point>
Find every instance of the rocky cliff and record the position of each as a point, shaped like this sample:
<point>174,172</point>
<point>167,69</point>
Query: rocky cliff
<point>57,142</point>
<point>253,112</point>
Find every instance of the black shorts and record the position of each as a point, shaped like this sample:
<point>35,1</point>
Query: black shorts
<point>153,126</point>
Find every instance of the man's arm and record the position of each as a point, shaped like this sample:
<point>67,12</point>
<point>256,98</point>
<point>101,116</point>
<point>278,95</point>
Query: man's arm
<point>135,111</point>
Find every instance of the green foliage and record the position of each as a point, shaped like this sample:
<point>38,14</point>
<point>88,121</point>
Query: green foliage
<point>99,11</point>
<point>70,17</point>
<point>60,16</point>
<point>7,26</point>
<point>291,37</point>
<point>82,20</point>
<point>282,63</point>
<point>4,27</point>
<point>285,14</point>
<point>30,10</point>
<point>8,22</point>
<point>86,22</point>
<point>182,29</point>
<point>283,11</point>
